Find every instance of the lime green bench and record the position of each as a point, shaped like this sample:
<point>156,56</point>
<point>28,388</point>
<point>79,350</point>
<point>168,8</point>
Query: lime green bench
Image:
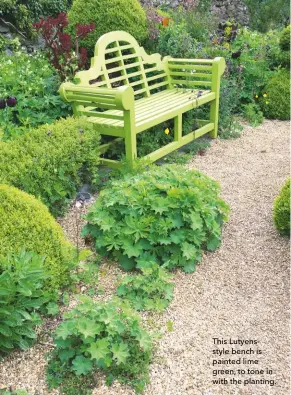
<point>126,91</point>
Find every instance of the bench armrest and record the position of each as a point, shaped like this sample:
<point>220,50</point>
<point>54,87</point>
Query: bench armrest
<point>121,98</point>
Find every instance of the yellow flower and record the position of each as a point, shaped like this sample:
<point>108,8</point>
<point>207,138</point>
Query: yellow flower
<point>267,102</point>
<point>167,131</point>
<point>265,95</point>
<point>257,96</point>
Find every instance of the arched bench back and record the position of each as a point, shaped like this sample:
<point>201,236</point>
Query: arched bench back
<point>119,60</point>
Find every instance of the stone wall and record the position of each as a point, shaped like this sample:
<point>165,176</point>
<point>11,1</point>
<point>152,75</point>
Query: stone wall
<point>224,9</point>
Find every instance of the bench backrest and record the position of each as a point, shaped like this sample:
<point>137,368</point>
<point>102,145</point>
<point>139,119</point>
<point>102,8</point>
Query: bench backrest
<point>119,60</point>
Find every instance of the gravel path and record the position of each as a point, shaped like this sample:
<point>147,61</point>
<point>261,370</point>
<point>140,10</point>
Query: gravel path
<point>240,291</point>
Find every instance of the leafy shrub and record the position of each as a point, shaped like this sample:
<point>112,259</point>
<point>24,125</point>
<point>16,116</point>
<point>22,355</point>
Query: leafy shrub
<point>106,336</point>
<point>45,8</point>
<point>22,13</point>
<point>109,15</point>
<point>284,54</point>
<point>282,210</point>
<point>253,114</point>
<point>228,107</point>
<point>21,289</point>
<point>12,44</point>
<point>18,14</point>
<point>150,290</point>
<point>33,82</point>
<point>167,214</point>
<point>267,14</point>
<point>63,49</point>
<point>252,68</point>
<point>52,161</point>
<point>285,39</point>
<point>197,146</point>
<point>177,42</point>
<point>26,223</point>
<point>276,105</point>
<point>198,23</point>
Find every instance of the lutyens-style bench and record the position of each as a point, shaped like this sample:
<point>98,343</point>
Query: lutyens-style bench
<point>126,91</point>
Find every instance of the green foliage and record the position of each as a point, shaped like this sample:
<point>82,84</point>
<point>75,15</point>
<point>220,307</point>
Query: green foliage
<point>170,326</point>
<point>199,23</point>
<point>177,157</point>
<point>86,272</point>
<point>47,8</point>
<point>22,13</point>
<point>285,39</point>
<point>9,43</point>
<point>282,210</point>
<point>22,279</point>
<point>253,114</point>
<point>26,223</point>
<point>18,14</point>
<point>105,336</point>
<point>60,375</point>
<point>186,153</point>
<point>109,15</point>
<point>177,42</point>
<point>33,82</point>
<point>167,214</point>
<point>150,290</point>
<point>228,106</point>
<point>283,57</point>
<point>267,14</point>
<point>277,103</point>
<point>52,161</point>
<point>253,68</point>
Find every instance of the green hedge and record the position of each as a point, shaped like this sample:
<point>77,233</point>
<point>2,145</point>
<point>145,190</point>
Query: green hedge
<point>277,103</point>
<point>282,210</point>
<point>109,15</point>
<point>52,161</point>
<point>26,223</point>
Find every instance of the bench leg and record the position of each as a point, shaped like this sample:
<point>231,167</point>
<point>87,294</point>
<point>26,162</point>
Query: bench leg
<point>130,138</point>
<point>178,127</point>
<point>214,106</point>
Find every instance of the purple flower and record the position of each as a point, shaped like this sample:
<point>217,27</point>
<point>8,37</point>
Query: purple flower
<point>11,101</point>
<point>2,103</point>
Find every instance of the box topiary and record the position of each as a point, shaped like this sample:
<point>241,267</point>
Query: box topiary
<point>27,223</point>
<point>52,161</point>
<point>108,15</point>
<point>281,211</point>
<point>164,215</point>
<point>276,105</point>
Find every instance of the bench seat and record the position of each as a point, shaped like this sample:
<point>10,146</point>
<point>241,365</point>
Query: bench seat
<point>159,107</point>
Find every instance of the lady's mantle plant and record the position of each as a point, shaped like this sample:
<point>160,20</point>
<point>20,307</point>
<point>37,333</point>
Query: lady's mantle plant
<point>150,290</point>
<point>167,214</point>
<point>105,336</point>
